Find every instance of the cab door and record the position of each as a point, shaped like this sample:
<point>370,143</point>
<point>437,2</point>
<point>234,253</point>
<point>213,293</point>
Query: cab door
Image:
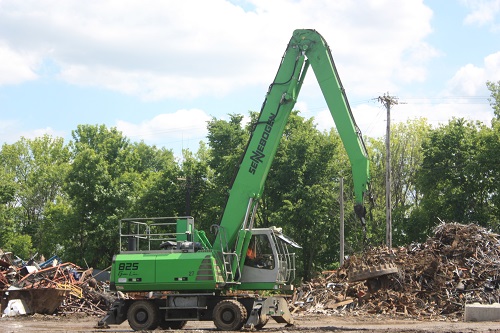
<point>261,264</point>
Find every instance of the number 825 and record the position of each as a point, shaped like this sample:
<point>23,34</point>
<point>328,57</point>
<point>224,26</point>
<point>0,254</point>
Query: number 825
<point>129,266</point>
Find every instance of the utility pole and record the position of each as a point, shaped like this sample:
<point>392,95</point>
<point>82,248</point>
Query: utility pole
<point>388,101</point>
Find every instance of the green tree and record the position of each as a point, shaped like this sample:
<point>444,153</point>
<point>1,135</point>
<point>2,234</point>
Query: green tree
<point>197,183</point>
<point>489,157</point>
<point>36,170</point>
<point>488,162</point>
<point>227,141</point>
<point>406,160</point>
<point>11,236</point>
<point>152,182</point>
<point>494,88</point>
<point>97,193</point>
<point>451,178</point>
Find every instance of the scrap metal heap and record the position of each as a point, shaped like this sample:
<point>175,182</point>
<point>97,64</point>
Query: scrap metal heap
<point>459,265</point>
<point>50,287</point>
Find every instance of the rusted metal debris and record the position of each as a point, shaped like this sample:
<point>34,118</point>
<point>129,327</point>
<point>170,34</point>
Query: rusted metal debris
<point>459,265</point>
<point>51,287</point>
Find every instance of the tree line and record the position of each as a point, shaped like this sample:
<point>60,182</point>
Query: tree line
<point>67,198</point>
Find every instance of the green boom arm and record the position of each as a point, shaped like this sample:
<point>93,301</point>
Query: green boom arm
<point>305,47</point>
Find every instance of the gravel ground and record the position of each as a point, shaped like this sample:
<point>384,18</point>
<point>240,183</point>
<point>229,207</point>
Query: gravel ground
<point>304,324</point>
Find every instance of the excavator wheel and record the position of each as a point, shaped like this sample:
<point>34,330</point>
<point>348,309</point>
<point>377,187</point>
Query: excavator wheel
<point>143,315</point>
<point>229,315</point>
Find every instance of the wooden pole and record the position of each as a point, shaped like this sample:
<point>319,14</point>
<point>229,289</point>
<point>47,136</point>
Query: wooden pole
<point>387,101</point>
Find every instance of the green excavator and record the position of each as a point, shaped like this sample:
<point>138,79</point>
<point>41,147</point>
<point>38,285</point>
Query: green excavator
<point>168,272</point>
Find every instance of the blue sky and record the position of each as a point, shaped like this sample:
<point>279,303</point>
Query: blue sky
<point>158,70</point>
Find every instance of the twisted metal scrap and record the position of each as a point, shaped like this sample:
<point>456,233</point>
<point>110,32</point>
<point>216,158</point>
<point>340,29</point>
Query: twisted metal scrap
<point>460,264</point>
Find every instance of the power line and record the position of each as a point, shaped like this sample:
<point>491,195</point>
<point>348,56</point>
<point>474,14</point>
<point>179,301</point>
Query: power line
<point>447,100</point>
<point>448,97</point>
<point>423,100</point>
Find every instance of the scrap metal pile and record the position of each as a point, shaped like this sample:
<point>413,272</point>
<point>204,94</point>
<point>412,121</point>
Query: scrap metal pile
<point>50,287</point>
<point>459,265</point>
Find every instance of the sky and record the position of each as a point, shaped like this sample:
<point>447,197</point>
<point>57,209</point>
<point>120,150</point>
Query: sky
<point>158,70</point>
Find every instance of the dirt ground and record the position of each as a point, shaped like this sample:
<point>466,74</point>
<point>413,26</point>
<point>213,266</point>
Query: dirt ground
<point>304,324</point>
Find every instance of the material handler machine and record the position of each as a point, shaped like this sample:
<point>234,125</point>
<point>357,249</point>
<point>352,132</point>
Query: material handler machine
<point>181,276</point>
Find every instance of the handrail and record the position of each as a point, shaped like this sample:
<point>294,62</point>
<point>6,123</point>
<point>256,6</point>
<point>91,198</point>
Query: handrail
<point>146,234</point>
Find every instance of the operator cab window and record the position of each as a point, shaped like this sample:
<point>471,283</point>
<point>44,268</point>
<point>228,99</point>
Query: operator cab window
<point>260,253</point>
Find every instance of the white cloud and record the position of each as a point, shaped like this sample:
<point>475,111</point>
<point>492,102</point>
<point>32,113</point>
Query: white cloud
<point>470,80</point>
<point>492,66</point>
<point>483,12</point>
<point>168,127</point>
<point>15,67</point>
<point>467,80</point>
<point>11,131</point>
<point>8,131</point>
<point>371,117</point>
<point>440,111</point>
<point>41,132</point>
<point>191,48</point>
<point>368,117</point>
<point>146,84</point>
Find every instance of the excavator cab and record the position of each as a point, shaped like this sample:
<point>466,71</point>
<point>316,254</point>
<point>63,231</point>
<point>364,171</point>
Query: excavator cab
<point>270,259</point>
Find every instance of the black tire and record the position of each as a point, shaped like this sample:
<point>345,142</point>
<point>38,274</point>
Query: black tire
<point>175,325</point>
<point>229,315</point>
<point>143,315</point>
